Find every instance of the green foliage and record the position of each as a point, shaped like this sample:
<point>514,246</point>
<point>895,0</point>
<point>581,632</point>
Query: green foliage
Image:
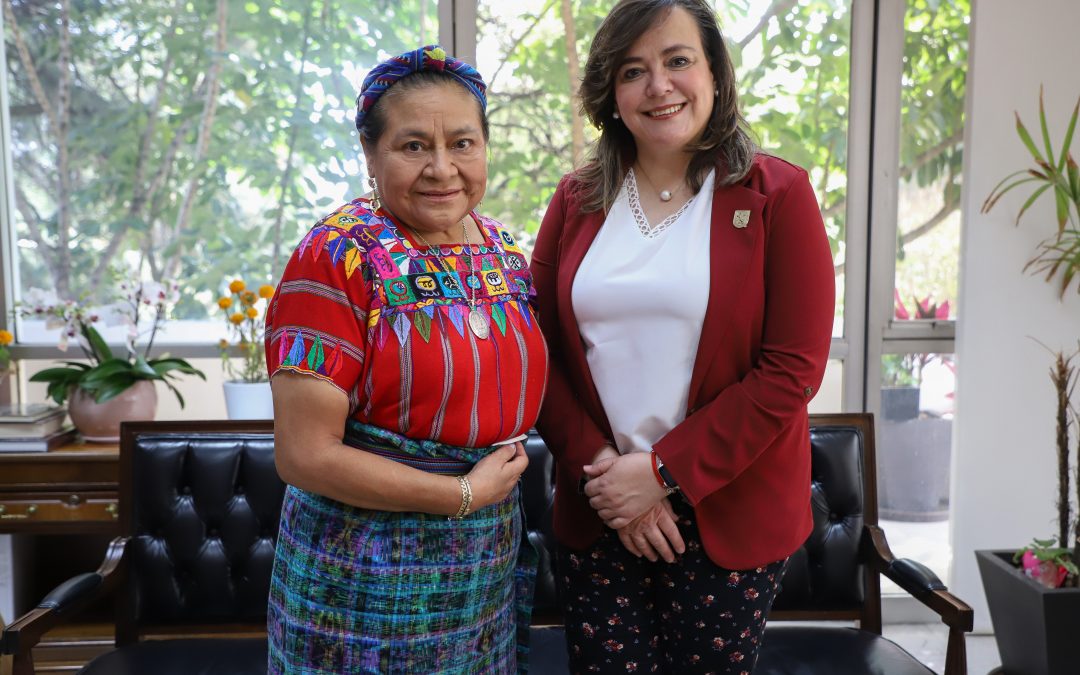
<point>1059,254</point>
<point>109,376</point>
<point>898,370</point>
<point>282,131</point>
<point>282,127</point>
<point>793,74</point>
<point>1046,550</point>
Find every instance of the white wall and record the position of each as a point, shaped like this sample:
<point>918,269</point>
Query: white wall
<point>1004,472</point>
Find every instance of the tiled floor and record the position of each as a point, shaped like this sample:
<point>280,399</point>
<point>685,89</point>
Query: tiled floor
<point>927,643</point>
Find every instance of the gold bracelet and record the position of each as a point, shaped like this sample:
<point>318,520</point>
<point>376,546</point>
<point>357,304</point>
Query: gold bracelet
<point>466,498</point>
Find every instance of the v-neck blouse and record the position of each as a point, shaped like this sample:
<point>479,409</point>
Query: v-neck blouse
<point>640,303</point>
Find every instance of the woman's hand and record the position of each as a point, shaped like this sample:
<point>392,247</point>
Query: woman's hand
<point>654,534</point>
<point>606,452</point>
<point>493,477</point>
<point>622,488</point>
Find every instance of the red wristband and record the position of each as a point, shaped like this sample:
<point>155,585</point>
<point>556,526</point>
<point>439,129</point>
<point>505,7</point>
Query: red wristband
<point>656,471</point>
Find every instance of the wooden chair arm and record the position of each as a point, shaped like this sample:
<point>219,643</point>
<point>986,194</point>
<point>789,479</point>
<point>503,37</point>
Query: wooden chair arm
<point>919,581</point>
<point>24,633</point>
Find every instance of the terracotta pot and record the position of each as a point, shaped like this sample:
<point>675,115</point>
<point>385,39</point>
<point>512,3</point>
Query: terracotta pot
<point>100,422</point>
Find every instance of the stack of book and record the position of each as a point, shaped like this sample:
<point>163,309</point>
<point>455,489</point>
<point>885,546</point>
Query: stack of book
<point>33,427</point>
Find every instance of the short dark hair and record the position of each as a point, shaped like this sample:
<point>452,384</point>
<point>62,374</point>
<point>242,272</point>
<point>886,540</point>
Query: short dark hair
<point>375,121</point>
<point>725,143</point>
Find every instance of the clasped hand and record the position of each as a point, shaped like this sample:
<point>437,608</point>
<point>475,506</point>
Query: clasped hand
<point>628,499</point>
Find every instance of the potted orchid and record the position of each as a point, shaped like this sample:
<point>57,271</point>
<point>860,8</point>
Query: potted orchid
<point>247,386</point>
<point>108,387</point>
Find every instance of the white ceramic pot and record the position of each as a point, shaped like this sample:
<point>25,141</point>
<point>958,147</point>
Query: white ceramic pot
<point>248,400</point>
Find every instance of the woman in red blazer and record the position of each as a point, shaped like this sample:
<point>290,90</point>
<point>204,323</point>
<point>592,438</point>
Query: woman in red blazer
<point>685,285</point>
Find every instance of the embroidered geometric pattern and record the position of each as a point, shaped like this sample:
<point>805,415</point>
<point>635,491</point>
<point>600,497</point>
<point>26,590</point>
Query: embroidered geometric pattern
<point>362,306</point>
<point>360,591</point>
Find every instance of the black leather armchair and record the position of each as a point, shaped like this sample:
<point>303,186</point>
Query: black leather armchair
<point>199,509</point>
<point>835,576</point>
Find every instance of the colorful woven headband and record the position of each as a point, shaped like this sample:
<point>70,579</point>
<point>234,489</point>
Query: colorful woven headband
<point>431,57</point>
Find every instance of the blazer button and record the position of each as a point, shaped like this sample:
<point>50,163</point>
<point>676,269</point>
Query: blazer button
<point>809,391</point>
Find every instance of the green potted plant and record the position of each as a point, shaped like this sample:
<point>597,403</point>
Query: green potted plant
<point>1032,593</point>
<point>108,387</point>
<point>247,385</point>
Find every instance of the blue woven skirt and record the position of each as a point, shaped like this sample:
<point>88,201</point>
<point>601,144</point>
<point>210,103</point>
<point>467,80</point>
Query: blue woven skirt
<point>361,591</point>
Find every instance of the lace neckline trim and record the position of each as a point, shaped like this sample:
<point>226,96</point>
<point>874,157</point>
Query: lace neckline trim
<point>649,231</point>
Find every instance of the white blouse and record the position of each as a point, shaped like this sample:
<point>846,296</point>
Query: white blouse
<point>639,298</point>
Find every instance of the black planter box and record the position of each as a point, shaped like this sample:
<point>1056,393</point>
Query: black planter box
<point>1036,628</point>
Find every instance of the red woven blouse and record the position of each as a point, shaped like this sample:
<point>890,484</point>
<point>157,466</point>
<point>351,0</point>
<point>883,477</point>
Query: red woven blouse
<point>384,321</point>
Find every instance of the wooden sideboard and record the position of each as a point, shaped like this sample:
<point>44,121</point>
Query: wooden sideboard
<point>72,490</point>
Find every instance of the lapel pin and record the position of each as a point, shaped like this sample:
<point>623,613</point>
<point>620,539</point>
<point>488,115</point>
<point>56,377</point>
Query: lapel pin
<point>741,219</point>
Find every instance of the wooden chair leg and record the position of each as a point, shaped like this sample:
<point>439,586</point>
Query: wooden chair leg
<point>956,653</point>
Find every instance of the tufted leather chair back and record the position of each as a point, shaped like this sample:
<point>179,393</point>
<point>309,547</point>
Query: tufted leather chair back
<point>825,576</point>
<point>200,502</point>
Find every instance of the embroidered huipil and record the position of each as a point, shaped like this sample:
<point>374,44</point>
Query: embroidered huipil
<point>386,322</point>
<point>356,590</point>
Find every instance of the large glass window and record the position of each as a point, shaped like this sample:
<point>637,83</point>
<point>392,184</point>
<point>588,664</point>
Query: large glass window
<point>792,66</point>
<point>196,142</point>
<point>918,370</point>
<point>189,141</point>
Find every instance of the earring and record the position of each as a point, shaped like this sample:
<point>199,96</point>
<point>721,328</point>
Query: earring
<point>615,114</point>
<point>375,202</point>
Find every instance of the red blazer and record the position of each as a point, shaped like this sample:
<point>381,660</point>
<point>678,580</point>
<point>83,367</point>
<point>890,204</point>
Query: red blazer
<point>742,455</point>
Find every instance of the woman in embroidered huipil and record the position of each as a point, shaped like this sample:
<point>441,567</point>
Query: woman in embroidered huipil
<point>404,352</point>
<point>685,283</point>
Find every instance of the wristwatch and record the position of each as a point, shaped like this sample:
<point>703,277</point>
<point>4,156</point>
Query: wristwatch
<point>665,475</point>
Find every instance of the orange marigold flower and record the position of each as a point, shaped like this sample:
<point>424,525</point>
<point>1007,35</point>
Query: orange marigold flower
<point>236,286</point>
<point>266,291</point>
<point>237,318</point>
<point>224,303</point>
<point>223,343</point>
<point>251,312</point>
<point>6,338</point>
<point>248,298</point>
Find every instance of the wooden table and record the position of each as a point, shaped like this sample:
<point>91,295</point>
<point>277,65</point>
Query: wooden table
<point>67,491</point>
<point>70,490</point>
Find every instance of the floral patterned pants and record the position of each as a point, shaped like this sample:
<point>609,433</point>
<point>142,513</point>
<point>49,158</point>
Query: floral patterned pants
<point>626,614</point>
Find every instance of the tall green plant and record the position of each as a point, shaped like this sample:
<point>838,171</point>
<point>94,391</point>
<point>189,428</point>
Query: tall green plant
<point>1059,254</point>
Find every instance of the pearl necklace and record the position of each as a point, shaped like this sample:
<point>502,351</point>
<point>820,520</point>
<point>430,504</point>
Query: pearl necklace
<point>665,195</point>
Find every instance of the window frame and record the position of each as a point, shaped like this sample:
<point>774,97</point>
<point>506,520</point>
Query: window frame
<point>877,42</point>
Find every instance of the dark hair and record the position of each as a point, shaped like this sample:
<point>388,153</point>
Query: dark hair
<point>725,142</point>
<point>375,121</point>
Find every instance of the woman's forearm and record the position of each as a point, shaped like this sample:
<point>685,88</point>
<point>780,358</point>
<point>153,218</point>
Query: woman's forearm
<point>362,479</point>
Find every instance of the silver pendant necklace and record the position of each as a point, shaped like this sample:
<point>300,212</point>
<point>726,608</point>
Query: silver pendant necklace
<point>478,323</point>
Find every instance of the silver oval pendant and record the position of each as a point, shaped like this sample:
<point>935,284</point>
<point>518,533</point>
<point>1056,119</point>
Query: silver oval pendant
<point>478,324</point>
